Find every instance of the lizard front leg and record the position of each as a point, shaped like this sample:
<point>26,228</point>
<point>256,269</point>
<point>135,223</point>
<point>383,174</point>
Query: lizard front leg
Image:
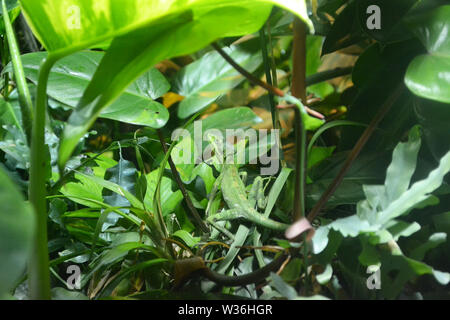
<point>230,214</point>
<point>223,216</point>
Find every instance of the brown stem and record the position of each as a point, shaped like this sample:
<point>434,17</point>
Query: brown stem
<point>299,61</point>
<point>180,184</point>
<point>275,91</point>
<point>355,152</point>
<point>298,90</point>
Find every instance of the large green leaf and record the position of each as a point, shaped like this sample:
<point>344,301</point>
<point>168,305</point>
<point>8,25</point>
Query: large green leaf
<point>16,228</point>
<point>233,118</point>
<point>71,25</point>
<point>124,175</point>
<point>205,80</point>
<point>428,75</point>
<point>143,33</point>
<point>170,199</point>
<point>71,75</point>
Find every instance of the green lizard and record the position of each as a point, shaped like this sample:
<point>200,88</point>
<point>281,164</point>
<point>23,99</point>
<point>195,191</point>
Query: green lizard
<point>239,205</point>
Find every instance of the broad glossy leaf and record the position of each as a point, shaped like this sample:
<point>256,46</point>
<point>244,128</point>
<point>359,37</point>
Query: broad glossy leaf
<point>124,175</point>
<point>428,75</point>
<point>170,198</point>
<point>16,229</point>
<point>205,80</point>
<point>85,188</point>
<point>233,118</point>
<point>65,26</point>
<point>71,75</point>
<point>143,33</point>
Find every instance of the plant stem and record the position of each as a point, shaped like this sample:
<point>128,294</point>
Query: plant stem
<point>298,88</point>
<point>355,152</point>
<point>299,91</point>
<point>180,184</point>
<point>273,65</point>
<point>248,75</point>
<point>300,165</point>
<point>265,54</point>
<point>273,108</point>
<point>275,91</point>
<point>26,105</point>
<point>39,274</point>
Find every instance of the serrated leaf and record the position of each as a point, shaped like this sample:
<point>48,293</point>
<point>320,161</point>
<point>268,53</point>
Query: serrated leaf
<point>385,203</point>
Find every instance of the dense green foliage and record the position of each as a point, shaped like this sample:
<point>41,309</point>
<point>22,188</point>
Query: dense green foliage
<point>93,94</point>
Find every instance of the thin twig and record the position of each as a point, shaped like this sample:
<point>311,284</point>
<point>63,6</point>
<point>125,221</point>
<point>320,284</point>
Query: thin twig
<point>248,75</point>
<point>355,152</point>
<point>298,90</point>
<point>275,91</point>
